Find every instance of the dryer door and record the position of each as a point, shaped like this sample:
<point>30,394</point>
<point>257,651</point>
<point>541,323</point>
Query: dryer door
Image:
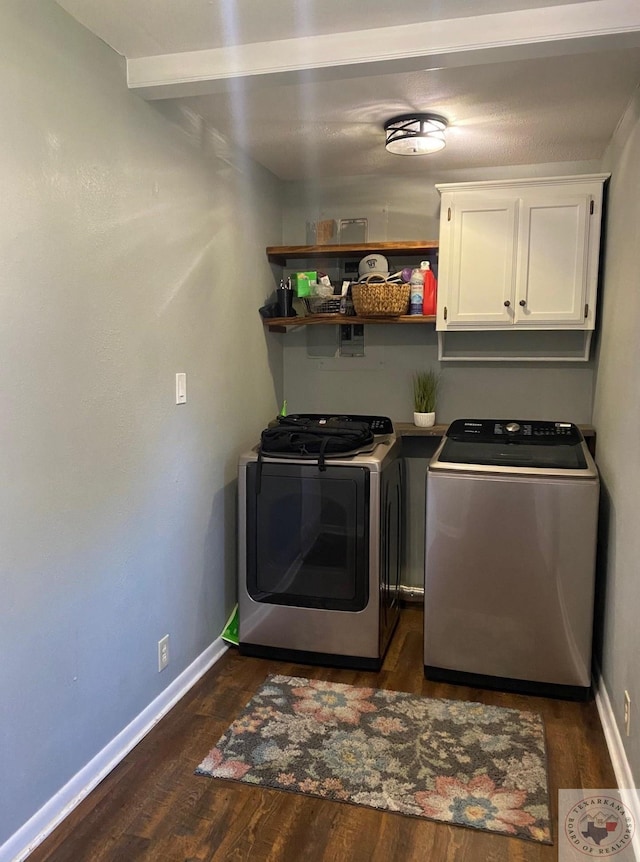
<point>307,535</point>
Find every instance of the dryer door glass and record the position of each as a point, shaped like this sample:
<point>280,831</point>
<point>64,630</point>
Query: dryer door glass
<point>307,535</point>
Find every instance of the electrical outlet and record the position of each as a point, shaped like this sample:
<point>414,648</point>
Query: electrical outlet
<point>163,652</point>
<point>627,713</point>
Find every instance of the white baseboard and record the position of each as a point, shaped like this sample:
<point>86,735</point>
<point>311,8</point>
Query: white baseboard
<point>53,812</point>
<point>624,776</point>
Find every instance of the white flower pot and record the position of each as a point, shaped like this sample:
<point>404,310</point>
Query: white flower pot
<point>424,420</point>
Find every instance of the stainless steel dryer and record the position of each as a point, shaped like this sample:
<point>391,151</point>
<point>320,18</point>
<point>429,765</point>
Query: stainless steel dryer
<point>319,553</point>
<point>512,510</point>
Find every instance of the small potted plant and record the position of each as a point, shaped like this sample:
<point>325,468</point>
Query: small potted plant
<point>425,390</point>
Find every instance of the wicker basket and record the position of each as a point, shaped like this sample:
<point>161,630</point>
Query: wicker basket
<point>380,299</point>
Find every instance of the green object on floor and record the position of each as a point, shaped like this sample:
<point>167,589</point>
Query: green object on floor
<point>230,631</point>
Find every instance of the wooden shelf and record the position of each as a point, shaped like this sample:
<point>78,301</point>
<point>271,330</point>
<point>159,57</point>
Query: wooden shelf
<point>408,429</point>
<point>281,324</point>
<point>282,253</point>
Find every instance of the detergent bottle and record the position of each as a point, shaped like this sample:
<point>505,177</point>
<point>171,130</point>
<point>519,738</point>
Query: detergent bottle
<point>430,290</point>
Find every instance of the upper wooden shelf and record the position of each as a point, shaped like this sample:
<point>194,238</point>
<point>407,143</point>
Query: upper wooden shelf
<point>281,253</point>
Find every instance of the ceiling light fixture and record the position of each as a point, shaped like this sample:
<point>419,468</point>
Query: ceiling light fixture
<point>415,134</point>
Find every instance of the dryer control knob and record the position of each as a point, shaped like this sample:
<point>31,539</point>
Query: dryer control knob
<point>512,427</point>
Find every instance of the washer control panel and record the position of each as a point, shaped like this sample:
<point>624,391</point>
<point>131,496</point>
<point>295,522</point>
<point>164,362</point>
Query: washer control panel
<point>515,431</point>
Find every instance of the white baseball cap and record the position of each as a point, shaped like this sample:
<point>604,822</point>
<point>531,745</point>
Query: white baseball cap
<point>373,264</point>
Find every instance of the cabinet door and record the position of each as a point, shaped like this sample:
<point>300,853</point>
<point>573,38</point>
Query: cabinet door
<point>553,242</point>
<point>481,262</point>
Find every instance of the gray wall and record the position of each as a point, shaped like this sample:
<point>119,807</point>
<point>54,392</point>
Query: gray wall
<point>617,419</point>
<point>131,249</point>
<point>404,209</point>
<point>380,382</point>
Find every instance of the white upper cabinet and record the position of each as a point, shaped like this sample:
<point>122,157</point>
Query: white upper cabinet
<point>519,254</point>
<point>478,262</point>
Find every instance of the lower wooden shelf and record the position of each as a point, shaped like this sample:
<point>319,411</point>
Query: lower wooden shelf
<point>281,324</point>
<point>408,429</point>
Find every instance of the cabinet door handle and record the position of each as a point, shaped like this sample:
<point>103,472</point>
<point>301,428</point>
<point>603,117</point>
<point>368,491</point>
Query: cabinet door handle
<point>523,302</point>
<point>507,303</point>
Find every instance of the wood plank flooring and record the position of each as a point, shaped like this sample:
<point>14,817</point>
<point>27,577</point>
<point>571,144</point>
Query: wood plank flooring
<point>152,808</point>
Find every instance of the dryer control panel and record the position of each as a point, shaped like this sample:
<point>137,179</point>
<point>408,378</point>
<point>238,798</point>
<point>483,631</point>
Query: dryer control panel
<point>378,424</point>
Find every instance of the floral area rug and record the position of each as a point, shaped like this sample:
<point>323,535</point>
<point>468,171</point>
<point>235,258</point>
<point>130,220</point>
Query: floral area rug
<point>453,761</point>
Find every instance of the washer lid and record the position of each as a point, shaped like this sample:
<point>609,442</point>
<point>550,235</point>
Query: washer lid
<point>518,446</point>
<point>508,454</point>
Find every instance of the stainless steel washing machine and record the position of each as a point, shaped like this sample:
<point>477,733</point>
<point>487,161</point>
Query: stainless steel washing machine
<point>511,525</point>
<point>320,553</point>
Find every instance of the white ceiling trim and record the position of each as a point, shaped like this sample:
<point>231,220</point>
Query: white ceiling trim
<point>548,31</point>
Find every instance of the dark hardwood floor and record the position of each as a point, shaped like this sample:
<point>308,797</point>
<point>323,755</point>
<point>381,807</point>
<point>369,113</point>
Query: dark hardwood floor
<point>153,807</point>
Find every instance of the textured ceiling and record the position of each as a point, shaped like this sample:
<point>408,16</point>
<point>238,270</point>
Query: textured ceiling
<point>522,112</point>
<point>560,101</point>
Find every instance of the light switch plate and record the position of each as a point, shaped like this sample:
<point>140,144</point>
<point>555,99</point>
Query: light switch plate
<point>181,388</point>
